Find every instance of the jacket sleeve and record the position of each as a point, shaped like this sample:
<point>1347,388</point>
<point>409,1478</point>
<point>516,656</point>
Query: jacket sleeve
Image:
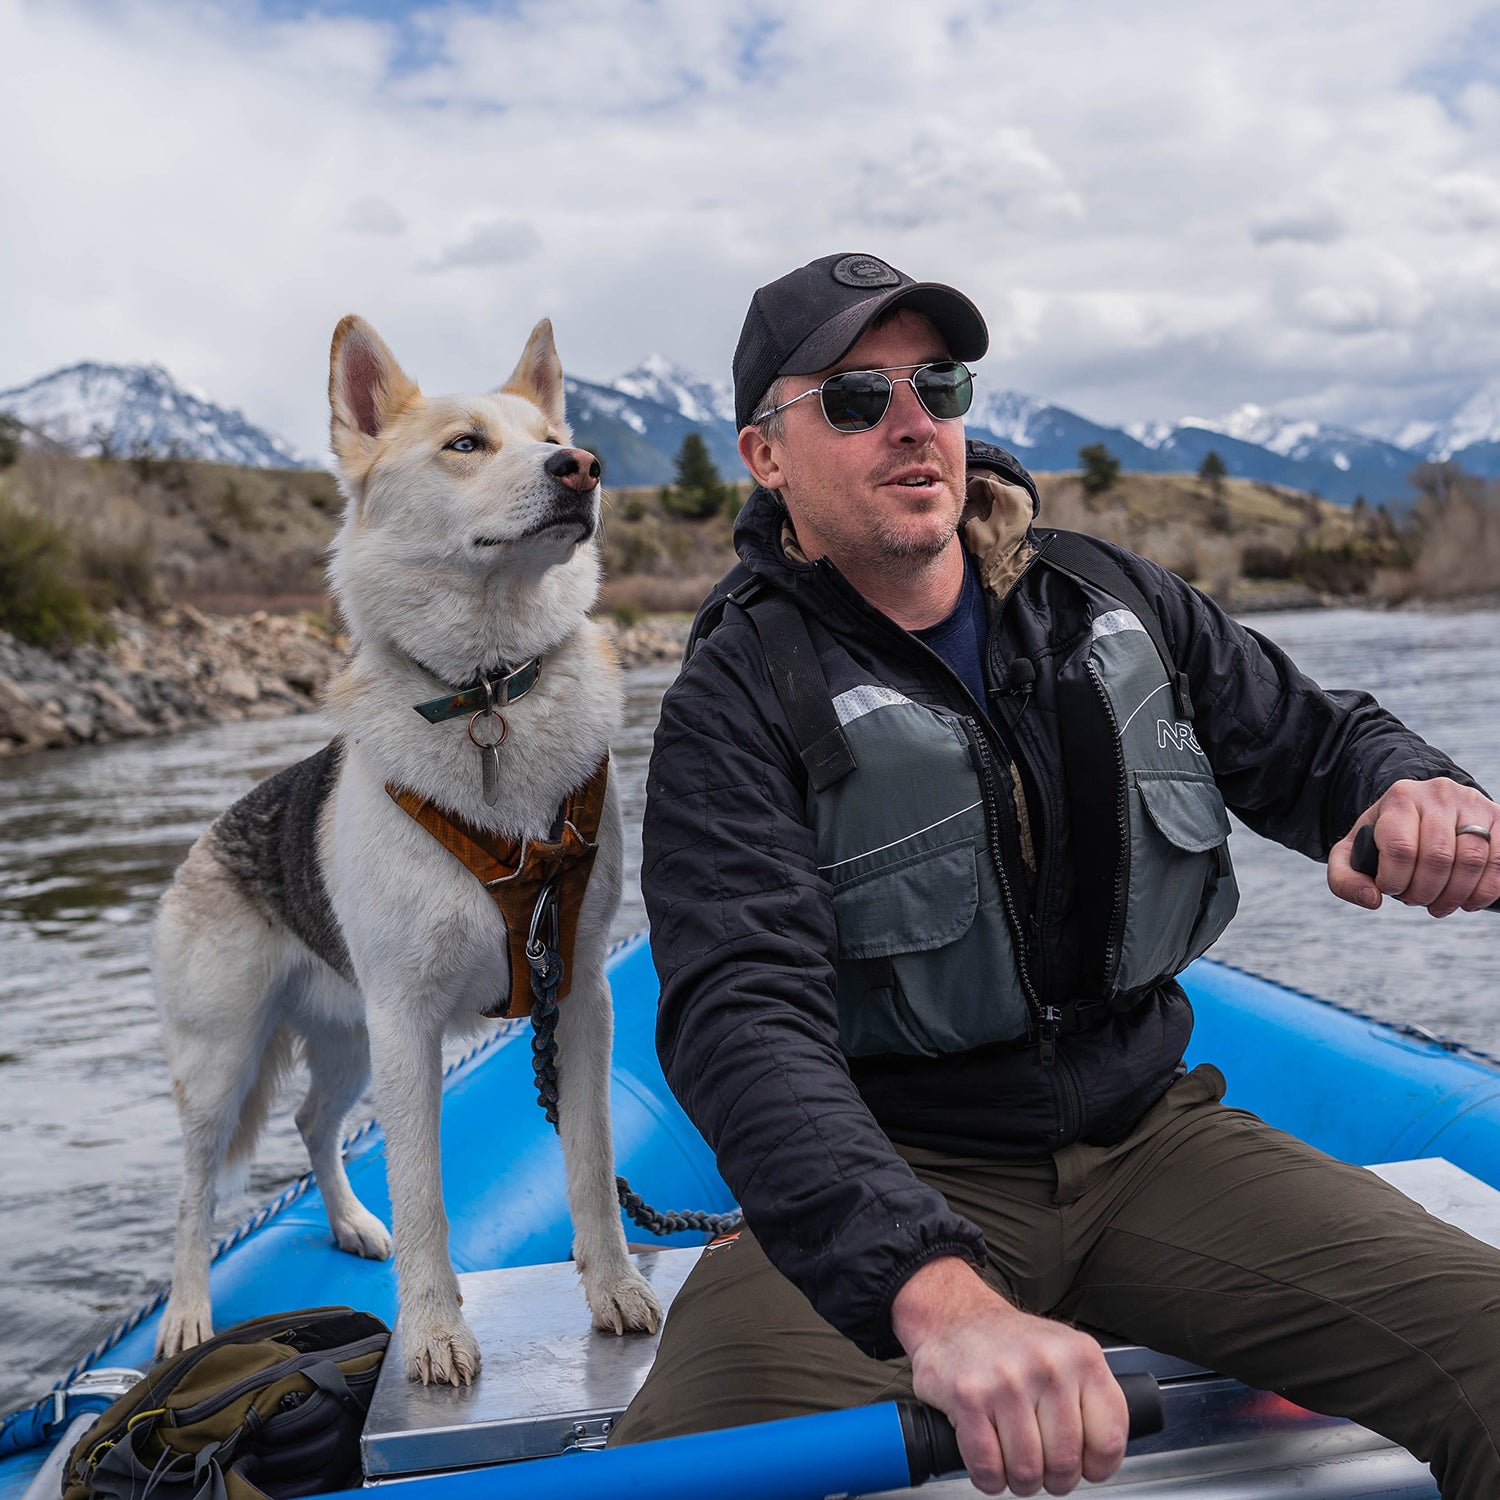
<point>742,933</point>
<point>1299,763</point>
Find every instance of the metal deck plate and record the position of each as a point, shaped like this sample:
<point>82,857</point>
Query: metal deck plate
<point>548,1381</point>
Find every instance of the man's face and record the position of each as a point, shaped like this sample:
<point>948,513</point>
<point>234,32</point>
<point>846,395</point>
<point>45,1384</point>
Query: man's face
<point>888,498</point>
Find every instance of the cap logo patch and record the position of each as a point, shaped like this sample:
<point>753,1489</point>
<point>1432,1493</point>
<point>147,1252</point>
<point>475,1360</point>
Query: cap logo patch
<point>863,271</point>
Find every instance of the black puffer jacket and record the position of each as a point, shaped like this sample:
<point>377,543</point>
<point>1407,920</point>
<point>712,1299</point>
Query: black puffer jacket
<point>742,925</point>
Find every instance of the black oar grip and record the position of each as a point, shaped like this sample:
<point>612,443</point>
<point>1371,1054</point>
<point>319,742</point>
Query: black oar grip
<point>932,1445</point>
<point>1365,857</point>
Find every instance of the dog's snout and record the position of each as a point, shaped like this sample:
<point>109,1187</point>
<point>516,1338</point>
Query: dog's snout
<point>575,467</point>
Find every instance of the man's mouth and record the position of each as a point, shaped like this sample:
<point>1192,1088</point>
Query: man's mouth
<point>915,479</point>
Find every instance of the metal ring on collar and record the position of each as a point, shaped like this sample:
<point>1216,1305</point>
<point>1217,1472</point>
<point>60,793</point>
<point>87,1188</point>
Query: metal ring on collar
<point>485,713</point>
<point>1478,828</point>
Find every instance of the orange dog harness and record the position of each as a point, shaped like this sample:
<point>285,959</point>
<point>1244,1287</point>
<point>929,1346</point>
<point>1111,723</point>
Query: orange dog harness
<point>516,871</point>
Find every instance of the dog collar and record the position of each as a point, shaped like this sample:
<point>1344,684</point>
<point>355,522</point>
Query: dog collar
<point>493,690</point>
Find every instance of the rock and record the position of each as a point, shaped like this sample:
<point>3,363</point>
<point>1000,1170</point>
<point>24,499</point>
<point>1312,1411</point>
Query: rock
<point>241,685</point>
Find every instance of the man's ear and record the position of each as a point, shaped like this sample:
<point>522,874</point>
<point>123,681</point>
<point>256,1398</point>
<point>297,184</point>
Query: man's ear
<point>366,389</point>
<point>538,376</point>
<point>760,457</point>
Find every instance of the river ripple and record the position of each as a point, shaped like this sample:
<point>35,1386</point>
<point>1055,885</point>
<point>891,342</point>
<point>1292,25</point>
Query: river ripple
<point>89,838</point>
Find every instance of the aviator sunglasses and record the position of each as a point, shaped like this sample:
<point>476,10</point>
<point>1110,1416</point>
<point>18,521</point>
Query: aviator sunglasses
<point>856,400</point>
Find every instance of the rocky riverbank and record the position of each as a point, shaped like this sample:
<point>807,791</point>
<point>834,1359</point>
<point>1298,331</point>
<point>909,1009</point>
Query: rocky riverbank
<point>186,668</point>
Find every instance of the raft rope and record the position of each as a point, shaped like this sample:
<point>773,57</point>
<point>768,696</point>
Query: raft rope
<point>546,976</point>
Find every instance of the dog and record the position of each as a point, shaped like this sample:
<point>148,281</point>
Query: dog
<point>316,916</point>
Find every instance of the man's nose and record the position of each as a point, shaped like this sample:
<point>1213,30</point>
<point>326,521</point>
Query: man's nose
<point>908,419</point>
<point>575,467</point>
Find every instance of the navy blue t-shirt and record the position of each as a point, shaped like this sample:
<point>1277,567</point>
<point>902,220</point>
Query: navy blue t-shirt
<point>961,636</point>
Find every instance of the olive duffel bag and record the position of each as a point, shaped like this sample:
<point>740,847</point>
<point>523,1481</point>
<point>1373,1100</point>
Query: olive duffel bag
<point>269,1408</point>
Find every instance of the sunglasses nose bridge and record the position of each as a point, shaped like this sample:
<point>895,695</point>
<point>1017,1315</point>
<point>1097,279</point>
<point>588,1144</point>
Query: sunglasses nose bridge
<point>906,410</point>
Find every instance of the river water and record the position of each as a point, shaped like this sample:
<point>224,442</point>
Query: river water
<point>89,838</point>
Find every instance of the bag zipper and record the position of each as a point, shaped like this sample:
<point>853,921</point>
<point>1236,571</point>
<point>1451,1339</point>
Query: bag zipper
<point>186,1415</point>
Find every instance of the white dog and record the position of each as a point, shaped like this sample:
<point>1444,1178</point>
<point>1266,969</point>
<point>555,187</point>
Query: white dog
<point>317,911</point>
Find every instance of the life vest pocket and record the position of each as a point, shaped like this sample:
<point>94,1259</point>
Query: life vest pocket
<point>921,901</point>
<point>916,973</point>
<point>1182,889</point>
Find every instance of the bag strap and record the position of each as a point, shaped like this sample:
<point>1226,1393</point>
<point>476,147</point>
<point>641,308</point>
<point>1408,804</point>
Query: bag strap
<point>798,678</point>
<point>1084,557</point>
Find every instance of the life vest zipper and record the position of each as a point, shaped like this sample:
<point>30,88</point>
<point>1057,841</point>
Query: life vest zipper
<point>1115,932</point>
<point>1023,938</point>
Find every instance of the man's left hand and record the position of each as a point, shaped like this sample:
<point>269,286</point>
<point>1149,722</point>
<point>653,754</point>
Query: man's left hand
<point>1425,858</point>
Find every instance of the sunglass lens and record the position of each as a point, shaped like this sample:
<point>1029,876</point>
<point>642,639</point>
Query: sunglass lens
<point>855,400</point>
<point>946,389</point>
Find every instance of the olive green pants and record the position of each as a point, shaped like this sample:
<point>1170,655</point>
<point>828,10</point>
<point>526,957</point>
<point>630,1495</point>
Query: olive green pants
<point>1205,1234</point>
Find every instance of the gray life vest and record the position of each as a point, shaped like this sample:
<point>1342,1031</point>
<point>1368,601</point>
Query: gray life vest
<point>907,828</point>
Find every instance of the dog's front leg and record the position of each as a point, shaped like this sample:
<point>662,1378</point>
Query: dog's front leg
<point>619,1298</point>
<point>407,1059</point>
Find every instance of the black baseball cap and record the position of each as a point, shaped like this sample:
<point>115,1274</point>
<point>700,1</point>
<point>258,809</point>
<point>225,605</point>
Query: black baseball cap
<point>813,316</point>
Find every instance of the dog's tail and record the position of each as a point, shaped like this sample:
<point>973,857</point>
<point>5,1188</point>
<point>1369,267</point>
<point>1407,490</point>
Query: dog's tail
<point>277,1060</point>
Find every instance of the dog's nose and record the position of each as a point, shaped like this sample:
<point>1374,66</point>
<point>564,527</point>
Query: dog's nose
<point>575,467</point>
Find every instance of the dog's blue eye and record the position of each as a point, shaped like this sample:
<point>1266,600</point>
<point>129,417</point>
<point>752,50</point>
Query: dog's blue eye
<point>464,444</point>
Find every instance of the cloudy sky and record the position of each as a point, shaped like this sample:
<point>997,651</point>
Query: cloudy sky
<point>1164,208</point>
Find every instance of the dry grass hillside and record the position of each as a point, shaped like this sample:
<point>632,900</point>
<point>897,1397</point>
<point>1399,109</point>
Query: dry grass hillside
<point>147,531</point>
<point>143,533</point>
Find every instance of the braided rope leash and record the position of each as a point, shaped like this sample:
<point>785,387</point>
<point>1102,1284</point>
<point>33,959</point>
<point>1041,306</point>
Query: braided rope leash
<point>546,976</point>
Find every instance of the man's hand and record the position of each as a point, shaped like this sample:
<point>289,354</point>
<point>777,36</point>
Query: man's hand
<point>1032,1401</point>
<point>1424,859</point>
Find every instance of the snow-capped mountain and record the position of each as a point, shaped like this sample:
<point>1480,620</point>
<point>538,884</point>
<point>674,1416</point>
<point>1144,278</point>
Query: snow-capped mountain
<point>1306,441</point>
<point>637,422</point>
<point>1476,424</point>
<point>140,408</point>
<point>658,379</point>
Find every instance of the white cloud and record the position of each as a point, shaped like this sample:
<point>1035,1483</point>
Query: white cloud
<point>495,242</point>
<point>371,215</point>
<point>1160,208</point>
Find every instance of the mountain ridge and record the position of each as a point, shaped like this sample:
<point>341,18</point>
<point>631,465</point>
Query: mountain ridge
<point>638,420</point>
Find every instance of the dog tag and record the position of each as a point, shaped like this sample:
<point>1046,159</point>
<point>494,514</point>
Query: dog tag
<point>489,770</point>
<point>489,755</point>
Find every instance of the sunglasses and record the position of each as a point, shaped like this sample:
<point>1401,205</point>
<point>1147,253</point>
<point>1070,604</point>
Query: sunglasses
<point>856,400</point>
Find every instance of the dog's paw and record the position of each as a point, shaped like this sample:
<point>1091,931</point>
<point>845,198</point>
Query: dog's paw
<point>624,1304</point>
<point>440,1352</point>
<point>361,1233</point>
<point>183,1324</point>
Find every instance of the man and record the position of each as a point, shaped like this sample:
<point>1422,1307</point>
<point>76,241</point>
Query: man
<point>922,855</point>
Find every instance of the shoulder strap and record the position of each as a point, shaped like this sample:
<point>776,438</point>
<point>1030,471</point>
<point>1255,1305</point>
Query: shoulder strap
<point>802,688</point>
<point>1082,556</point>
<point>737,586</point>
<point>792,660</point>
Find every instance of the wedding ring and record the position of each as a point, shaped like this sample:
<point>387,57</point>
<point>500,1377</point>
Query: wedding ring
<point>1478,828</point>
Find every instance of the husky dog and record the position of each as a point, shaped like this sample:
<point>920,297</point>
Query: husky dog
<point>316,916</point>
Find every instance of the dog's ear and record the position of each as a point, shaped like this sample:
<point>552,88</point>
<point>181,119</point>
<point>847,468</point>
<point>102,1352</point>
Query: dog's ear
<point>366,388</point>
<point>539,377</point>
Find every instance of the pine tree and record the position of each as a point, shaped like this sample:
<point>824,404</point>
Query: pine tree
<point>1100,468</point>
<point>1212,471</point>
<point>700,491</point>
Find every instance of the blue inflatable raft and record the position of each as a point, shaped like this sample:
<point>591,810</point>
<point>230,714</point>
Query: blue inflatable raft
<point>1359,1089</point>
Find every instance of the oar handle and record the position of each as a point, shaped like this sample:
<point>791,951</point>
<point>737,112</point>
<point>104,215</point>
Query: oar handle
<point>932,1445</point>
<point>1365,857</point>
